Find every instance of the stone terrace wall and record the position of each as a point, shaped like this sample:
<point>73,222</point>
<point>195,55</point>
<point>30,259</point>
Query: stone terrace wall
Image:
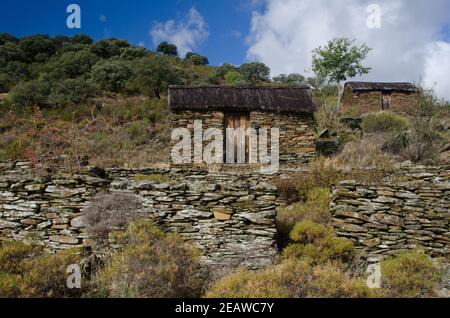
<point>409,210</point>
<point>230,217</point>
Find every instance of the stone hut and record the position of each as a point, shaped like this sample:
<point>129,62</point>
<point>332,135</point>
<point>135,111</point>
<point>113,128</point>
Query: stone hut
<point>286,108</point>
<point>364,97</point>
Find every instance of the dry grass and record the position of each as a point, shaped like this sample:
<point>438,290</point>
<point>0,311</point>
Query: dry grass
<point>365,153</point>
<point>113,132</point>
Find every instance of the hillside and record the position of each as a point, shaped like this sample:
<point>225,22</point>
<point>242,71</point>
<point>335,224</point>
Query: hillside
<point>71,101</point>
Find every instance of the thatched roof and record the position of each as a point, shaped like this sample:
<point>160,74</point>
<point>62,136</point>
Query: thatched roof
<point>377,86</point>
<point>227,98</point>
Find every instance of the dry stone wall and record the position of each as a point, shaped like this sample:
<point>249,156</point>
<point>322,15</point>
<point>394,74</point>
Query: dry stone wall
<point>297,133</point>
<point>365,102</point>
<point>410,209</point>
<point>229,216</point>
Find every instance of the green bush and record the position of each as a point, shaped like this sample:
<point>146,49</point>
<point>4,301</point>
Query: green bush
<point>384,122</point>
<point>151,264</point>
<point>26,271</point>
<point>322,174</point>
<point>111,75</point>
<point>46,275</point>
<point>316,242</point>
<point>71,92</point>
<point>12,255</point>
<point>33,93</point>
<point>290,279</point>
<point>411,274</point>
<point>316,208</point>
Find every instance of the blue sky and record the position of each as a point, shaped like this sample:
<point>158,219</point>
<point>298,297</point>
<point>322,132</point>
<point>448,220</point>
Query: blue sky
<point>411,44</point>
<point>227,22</point>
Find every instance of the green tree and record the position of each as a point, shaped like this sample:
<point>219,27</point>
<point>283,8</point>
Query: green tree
<point>224,69</point>
<point>61,40</point>
<point>71,92</point>
<point>339,60</point>
<point>154,75</point>
<point>131,53</point>
<point>30,93</point>
<point>111,75</point>
<point>6,37</point>
<point>196,59</point>
<point>105,49</point>
<point>315,81</point>
<point>167,49</point>
<point>293,79</point>
<point>15,72</point>
<point>120,43</point>
<point>81,39</point>
<point>234,78</point>
<point>11,52</point>
<point>74,64</point>
<point>255,72</point>
<point>37,47</point>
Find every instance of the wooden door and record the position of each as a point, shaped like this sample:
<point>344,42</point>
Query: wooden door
<point>385,101</point>
<point>235,121</point>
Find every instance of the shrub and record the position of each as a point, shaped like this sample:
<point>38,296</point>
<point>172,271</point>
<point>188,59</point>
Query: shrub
<point>287,190</point>
<point>308,232</point>
<point>249,284</point>
<point>10,285</point>
<point>316,208</point>
<point>108,212</point>
<point>384,122</point>
<point>150,264</point>
<point>25,271</point>
<point>316,243</point>
<point>321,174</point>
<point>111,74</point>
<point>411,274</point>
<point>291,278</point>
<point>71,92</point>
<point>327,117</point>
<point>234,78</point>
<point>331,281</point>
<point>46,275</point>
<point>12,255</point>
<point>424,141</point>
<point>30,94</point>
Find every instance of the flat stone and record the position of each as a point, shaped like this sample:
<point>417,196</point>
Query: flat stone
<point>77,222</point>
<point>7,224</point>
<point>63,239</point>
<point>371,242</point>
<point>351,227</point>
<point>35,187</point>
<point>386,219</point>
<point>44,225</point>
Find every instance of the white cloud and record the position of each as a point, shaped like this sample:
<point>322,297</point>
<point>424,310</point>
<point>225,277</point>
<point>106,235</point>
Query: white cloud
<point>187,34</point>
<point>437,68</point>
<point>103,18</point>
<point>405,48</point>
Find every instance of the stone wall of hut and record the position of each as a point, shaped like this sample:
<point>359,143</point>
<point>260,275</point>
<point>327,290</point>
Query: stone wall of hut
<point>358,103</point>
<point>297,132</point>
